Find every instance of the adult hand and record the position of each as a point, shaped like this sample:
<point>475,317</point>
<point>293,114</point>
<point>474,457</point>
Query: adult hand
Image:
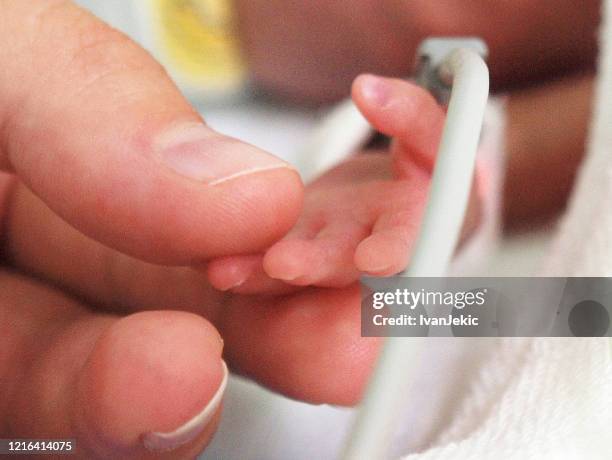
<point>123,368</point>
<point>98,146</point>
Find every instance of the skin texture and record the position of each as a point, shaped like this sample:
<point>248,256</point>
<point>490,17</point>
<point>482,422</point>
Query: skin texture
<point>254,329</point>
<point>311,51</point>
<point>364,215</point>
<point>82,112</point>
<point>107,159</point>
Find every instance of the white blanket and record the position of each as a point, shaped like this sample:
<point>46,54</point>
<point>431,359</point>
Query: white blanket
<point>551,398</point>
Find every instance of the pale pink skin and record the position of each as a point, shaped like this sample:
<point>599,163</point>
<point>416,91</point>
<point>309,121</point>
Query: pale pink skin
<point>80,108</point>
<point>363,216</point>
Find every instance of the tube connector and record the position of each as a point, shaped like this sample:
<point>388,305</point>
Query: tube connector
<point>431,55</point>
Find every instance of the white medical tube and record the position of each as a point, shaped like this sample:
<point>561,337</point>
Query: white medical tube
<point>439,234</point>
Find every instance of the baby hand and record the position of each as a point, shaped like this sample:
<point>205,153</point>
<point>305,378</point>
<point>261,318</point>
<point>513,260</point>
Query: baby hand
<point>362,216</point>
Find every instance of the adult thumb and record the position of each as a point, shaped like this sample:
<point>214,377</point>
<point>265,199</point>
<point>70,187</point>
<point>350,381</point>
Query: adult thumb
<point>94,126</point>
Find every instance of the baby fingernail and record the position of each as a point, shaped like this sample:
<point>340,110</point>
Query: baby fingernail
<point>162,442</point>
<point>375,90</point>
<point>198,153</point>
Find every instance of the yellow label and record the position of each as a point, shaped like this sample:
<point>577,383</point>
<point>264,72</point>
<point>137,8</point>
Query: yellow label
<point>198,42</point>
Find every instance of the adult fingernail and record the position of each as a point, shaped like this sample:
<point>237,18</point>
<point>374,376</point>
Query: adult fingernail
<point>198,153</point>
<point>237,283</point>
<point>375,90</point>
<point>232,284</point>
<point>162,442</point>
